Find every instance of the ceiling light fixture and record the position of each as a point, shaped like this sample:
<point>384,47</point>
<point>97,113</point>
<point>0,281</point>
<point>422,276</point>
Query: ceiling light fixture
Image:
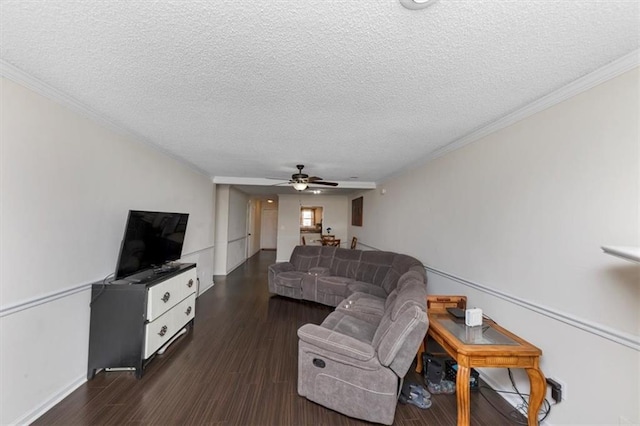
<point>417,4</point>
<point>300,186</point>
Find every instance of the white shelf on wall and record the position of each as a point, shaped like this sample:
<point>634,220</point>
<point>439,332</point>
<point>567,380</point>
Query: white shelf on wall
<point>627,253</point>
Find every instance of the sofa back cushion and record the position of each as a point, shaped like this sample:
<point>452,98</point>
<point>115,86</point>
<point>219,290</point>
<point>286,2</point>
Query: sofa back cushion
<point>401,263</point>
<point>410,276</point>
<point>345,262</point>
<point>374,266</point>
<point>402,327</point>
<point>326,256</point>
<point>304,258</point>
<point>413,293</point>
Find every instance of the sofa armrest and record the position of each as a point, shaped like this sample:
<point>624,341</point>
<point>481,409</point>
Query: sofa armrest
<point>335,342</point>
<point>281,267</point>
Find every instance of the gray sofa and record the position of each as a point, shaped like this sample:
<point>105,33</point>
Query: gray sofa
<point>355,361</point>
<point>329,274</point>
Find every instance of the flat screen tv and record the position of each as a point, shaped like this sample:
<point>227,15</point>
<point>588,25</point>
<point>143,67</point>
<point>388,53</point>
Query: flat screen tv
<point>151,239</point>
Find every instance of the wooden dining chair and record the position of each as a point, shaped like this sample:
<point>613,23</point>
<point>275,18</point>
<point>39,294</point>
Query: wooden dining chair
<point>327,240</point>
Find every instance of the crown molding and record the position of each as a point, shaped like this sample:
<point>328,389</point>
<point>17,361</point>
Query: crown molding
<point>582,84</point>
<point>17,75</point>
<point>40,87</point>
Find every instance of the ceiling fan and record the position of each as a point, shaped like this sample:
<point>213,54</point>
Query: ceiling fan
<point>300,181</point>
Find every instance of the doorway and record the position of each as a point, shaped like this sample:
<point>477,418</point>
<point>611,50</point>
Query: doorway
<point>269,229</point>
<point>311,225</point>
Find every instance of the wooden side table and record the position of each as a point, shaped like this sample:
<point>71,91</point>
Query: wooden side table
<point>488,345</point>
<point>439,303</point>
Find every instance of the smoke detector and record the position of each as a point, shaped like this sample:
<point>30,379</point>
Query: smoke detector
<point>417,4</point>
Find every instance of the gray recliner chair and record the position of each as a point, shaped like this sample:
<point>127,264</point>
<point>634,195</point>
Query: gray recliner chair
<point>355,365</point>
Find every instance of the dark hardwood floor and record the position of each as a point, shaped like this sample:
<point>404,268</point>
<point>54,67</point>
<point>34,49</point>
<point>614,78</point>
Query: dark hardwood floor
<point>238,366</point>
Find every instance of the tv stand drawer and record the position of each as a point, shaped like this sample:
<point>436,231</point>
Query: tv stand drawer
<point>161,330</point>
<point>166,294</point>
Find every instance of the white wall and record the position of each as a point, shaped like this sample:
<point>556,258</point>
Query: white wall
<point>518,219</point>
<point>221,229</point>
<point>231,229</point>
<point>67,185</point>
<point>237,248</point>
<point>335,214</point>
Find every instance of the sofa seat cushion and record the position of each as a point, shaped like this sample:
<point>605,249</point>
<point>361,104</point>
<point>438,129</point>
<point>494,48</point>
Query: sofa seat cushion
<point>372,289</point>
<point>350,326</point>
<point>290,279</point>
<point>333,285</point>
<point>363,306</point>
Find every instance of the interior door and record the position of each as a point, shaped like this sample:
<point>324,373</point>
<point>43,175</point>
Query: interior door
<point>269,229</point>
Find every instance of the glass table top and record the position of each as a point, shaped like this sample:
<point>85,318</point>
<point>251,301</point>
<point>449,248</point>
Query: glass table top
<point>479,335</point>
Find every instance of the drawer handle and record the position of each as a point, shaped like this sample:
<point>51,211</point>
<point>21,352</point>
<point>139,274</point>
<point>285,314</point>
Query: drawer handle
<point>166,297</point>
<point>190,283</point>
<point>163,330</point>
<point>188,311</point>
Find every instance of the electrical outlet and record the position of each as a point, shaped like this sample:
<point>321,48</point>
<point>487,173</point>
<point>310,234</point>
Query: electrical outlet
<point>558,390</point>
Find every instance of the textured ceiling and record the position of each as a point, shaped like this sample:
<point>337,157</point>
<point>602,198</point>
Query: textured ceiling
<point>353,89</point>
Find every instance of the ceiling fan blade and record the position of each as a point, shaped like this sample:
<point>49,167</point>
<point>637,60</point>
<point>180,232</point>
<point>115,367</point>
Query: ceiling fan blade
<point>303,178</point>
<point>324,183</point>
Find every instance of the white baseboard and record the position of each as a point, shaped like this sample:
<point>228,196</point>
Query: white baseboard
<point>202,290</point>
<point>34,414</point>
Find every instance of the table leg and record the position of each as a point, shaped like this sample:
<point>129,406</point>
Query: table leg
<point>462,394</point>
<point>537,384</point>
<point>421,349</point>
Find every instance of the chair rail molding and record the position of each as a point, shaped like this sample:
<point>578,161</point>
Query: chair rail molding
<point>32,302</point>
<point>626,339</point>
<point>623,338</point>
<point>40,300</point>
<point>244,237</point>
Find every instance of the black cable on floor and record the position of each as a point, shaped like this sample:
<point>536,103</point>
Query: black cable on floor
<point>545,410</point>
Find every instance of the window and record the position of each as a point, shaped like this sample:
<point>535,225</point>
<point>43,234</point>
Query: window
<point>307,217</point>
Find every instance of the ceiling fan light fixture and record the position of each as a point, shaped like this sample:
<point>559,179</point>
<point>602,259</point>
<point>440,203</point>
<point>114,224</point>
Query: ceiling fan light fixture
<point>300,186</point>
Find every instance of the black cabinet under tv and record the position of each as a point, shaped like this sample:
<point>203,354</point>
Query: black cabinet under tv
<point>133,318</point>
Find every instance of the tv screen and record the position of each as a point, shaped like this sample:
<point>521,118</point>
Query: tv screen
<point>151,239</point>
